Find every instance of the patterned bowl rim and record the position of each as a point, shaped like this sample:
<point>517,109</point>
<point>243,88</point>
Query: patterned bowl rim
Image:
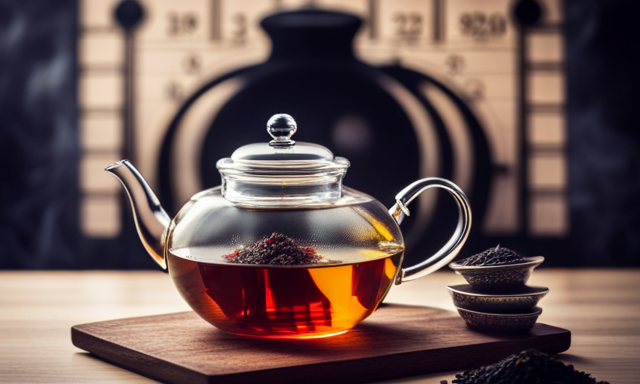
<point>531,262</point>
<point>537,291</point>
<point>536,312</point>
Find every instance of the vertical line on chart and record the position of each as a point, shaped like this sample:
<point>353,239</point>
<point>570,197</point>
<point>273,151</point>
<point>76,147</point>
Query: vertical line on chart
<point>128,150</point>
<point>373,19</point>
<point>438,20</point>
<point>216,32</point>
<point>523,208</point>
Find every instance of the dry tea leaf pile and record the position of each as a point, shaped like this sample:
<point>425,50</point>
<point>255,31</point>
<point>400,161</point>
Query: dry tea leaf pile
<point>493,256</point>
<point>526,367</point>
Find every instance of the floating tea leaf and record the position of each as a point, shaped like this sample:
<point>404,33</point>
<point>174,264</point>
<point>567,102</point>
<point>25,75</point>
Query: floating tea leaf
<point>276,249</point>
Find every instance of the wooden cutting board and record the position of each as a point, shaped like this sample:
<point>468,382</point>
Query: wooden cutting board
<point>396,341</point>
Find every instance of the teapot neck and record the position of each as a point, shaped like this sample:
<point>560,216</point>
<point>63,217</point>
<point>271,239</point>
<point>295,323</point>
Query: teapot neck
<point>259,184</point>
<point>269,193</point>
<point>311,35</point>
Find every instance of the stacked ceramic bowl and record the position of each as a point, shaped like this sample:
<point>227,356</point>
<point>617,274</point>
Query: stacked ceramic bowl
<point>497,298</point>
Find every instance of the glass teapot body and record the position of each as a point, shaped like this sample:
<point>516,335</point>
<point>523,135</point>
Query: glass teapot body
<point>357,244</point>
<point>282,249</point>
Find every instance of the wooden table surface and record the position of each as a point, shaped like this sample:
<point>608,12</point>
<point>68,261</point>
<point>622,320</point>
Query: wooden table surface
<point>37,309</point>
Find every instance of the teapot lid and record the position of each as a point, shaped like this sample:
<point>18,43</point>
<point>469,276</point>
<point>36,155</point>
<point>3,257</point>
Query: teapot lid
<point>282,171</point>
<point>282,153</point>
<point>282,148</point>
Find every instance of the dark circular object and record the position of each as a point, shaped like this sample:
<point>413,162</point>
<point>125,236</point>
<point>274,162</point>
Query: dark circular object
<point>500,323</point>
<point>527,13</point>
<point>128,14</point>
<point>517,300</point>
<point>502,278</point>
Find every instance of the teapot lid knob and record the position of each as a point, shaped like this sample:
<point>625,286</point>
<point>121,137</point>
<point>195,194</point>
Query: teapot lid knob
<point>281,127</point>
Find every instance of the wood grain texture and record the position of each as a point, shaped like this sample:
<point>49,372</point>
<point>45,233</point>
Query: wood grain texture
<point>396,341</point>
<point>601,308</point>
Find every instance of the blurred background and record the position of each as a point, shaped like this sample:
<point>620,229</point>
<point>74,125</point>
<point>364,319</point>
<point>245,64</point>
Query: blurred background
<point>528,105</point>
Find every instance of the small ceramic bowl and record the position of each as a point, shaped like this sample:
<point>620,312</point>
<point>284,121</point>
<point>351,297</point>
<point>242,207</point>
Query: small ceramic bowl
<point>520,300</point>
<point>499,322</point>
<point>494,278</point>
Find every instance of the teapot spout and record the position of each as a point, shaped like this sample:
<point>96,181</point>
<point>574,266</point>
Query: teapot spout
<point>152,222</point>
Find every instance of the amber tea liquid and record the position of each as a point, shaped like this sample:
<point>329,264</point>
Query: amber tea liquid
<point>284,302</point>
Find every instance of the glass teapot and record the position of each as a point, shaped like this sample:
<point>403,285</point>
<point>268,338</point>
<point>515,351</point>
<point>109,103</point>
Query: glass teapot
<point>282,249</point>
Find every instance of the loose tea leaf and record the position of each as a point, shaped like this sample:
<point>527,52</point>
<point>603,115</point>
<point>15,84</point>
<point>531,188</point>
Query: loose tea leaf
<point>493,256</point>
<point>276,249</point>
<point>526,367</point>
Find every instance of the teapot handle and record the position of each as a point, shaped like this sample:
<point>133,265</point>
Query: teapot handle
<point>455,243</point>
